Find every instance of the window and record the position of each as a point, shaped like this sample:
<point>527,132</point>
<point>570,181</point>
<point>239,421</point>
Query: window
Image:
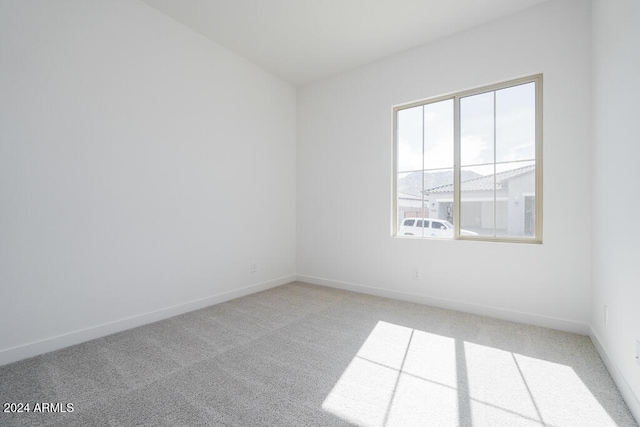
<point>472,159</point>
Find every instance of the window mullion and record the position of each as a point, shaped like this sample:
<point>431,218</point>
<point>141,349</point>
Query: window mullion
<point>456,166</point>
<point>495,159</point>
<point>423,175</point>
<point>538,185</point>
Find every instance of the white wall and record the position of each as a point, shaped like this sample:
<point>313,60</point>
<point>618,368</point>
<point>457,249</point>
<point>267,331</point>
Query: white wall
<point>143,168</point>
<point>344,164</point>
<point>616,201</point>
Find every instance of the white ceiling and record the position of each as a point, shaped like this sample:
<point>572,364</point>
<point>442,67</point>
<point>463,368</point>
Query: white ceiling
<point>305,40</point>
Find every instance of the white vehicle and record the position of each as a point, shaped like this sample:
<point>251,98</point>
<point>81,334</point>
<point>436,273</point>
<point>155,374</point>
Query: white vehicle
<point>429,227</point>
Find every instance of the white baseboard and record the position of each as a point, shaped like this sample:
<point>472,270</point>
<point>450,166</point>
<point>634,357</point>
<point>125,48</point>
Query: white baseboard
<point>65,340</point>
<point>482,310</point>
<point>625,389</point>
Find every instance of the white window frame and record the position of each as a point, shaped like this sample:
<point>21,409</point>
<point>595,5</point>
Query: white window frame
<point>456,97</point>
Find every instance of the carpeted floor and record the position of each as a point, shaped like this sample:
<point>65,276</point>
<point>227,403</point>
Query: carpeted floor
<point>305,355</point>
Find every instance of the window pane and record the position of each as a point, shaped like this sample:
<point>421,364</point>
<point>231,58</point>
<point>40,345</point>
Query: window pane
<point>438,135</point>
<point>476,129</point>
<point>409,128</point>
<point>477,205</point>
<point>438,200</point>
<point>516,123</point>
<point>516,186</point>
<point>409,199</point>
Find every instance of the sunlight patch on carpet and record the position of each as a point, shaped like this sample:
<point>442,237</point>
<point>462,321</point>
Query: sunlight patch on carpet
<point>402,376</point>
<point>389,383</point>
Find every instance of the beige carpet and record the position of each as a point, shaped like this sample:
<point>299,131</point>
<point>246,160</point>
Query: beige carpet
<point>304,355</point>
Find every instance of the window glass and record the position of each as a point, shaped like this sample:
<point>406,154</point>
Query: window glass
<point>476,129</point>
<point>516,123</point>
<point>438,135</point>
<point>410,126</point>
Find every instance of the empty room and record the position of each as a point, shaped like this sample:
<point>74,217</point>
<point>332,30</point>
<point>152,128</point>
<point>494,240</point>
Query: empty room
<point>331,213</point>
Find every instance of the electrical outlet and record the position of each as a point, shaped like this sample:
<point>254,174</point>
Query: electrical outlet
<point>606,314</point>
<point>254,267</point>
<point>416,274</point>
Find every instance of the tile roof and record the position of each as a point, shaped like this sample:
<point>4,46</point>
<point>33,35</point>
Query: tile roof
<point>485,183</point>
<point>409,196</point>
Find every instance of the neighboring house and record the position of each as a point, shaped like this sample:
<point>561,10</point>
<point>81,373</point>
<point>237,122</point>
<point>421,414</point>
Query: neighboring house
<point>409,205</point>
<point>514,199</point>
